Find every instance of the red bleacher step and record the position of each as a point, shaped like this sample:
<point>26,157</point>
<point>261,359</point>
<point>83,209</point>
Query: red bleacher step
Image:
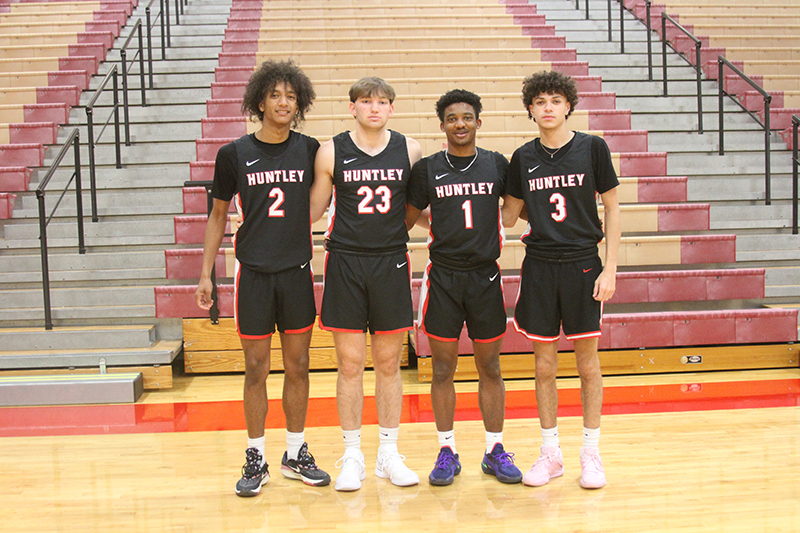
<point>15,178</point>
<point>23,154</point>
<point>6,204</point>
<point>177,301</point>
<point>650,330</point>
<point>33,132</point>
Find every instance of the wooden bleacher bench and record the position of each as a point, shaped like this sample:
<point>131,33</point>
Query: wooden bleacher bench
<point>434,9</point>
<point>311,21</point>
<point>9,28</point>
<point>106,38</point>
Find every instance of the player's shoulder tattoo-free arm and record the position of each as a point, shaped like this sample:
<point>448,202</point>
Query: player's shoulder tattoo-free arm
<point>322,188</point>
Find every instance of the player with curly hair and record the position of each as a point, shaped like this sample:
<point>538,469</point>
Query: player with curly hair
<point>563,283</point>
<point>270,173</point>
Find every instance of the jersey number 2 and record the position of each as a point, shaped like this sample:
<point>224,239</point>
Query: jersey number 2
<point>561,207</point>
<point>274,210</point>
<point>383,207</point>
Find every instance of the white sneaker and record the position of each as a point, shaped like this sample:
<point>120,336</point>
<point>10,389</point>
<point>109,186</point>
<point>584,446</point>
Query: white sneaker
<point>353,471</point>
<point>391,466</point>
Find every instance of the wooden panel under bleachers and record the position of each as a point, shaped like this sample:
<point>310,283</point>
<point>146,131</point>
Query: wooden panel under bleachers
<point>216,348</point>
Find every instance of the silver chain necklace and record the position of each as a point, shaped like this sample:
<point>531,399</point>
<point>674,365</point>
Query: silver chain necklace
<point>548,152</point>
<point>463,169</point>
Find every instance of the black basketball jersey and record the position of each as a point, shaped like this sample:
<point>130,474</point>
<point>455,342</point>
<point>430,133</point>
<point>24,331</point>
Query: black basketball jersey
<point>272,200</point>
<point>367,211</point>
<point>560,194</point>
<point>466,228</point>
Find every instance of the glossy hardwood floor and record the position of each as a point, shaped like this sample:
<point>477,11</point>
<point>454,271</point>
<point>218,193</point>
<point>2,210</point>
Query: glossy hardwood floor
<point>698,468</point>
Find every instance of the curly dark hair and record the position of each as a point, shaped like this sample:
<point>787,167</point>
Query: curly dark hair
<point>549,82</point>
<point>457,96</point>
<point>267,77</point>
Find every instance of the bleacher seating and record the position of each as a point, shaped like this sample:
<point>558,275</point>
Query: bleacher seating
<point>662,231</point>
<point>48,53</point>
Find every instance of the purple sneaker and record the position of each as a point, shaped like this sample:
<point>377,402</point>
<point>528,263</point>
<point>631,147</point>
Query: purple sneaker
<point>446,468</point>
<point>500,464</point>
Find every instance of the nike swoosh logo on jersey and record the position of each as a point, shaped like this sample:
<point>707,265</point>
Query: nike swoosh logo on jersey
<point>585,270</point>
<point>253,162</point>
<point>443,175</point>
<point>304,265</point>
<point>494,277</point>
<point>401,265</point>
<point>347,161</point>
<point>533,169</point>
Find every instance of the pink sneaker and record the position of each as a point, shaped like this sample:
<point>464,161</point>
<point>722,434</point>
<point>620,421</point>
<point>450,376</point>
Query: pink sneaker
<point>592,474</point>
<point>550,464</point>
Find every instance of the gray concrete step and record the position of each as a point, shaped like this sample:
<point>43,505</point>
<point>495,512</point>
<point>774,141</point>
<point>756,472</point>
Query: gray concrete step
<point>110,202</point>
<point>25,339</point>
<point>71,390</point>
<point>154,353</point>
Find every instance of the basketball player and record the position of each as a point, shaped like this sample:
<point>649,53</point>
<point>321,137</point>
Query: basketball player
<point>270,172</point>
<point>563,282</point>
<point>463,185</point>
<point>367,271</point>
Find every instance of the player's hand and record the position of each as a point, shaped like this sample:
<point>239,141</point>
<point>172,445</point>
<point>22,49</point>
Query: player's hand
<point>202,295</point>
<point>604,286</point>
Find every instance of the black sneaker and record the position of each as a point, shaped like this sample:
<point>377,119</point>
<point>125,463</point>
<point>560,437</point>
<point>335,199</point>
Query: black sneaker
<point>304,468</point>
<point>254,474</point>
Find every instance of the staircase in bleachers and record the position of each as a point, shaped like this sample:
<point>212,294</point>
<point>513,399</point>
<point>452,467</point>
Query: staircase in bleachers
<point>678,295</point>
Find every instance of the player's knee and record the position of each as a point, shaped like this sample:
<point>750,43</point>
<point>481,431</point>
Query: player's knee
<point>546,369</point>
<point>255,370</point>
<point>489,369</point>
<point>443,371</point>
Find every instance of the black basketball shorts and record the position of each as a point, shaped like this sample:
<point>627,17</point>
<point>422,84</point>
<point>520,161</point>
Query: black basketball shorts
<point>284,298</point>
<point>367,293</point>
<point>451,297</point>
<point>555,295</point>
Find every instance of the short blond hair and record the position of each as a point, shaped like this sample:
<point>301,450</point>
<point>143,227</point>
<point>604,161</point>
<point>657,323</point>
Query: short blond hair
<point>371,86</point>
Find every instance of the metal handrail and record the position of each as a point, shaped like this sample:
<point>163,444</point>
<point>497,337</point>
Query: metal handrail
<point>578,7</point>
<point>648,4</point>
<point>722,62</point>
<point>73,138</point>
<point>164,32</point>
<point>697,66</point>
<point>90,128</point>
<point>795,163</point>
<point>123,60</point>
<point>213,313</point>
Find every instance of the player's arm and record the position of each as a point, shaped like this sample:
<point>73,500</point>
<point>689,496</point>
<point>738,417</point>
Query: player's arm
<point>412,216</point>
<point>322,188</point>
<point>414,150</point>
<point>511,209</point>
<point>215,231</point>
<point>605,285</point>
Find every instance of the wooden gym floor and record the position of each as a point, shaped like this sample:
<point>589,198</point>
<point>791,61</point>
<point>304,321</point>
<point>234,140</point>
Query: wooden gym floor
<point>689,452</point>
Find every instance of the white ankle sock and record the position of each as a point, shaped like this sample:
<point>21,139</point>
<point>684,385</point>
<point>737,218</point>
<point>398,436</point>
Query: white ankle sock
<point>591,438</point>
<point>492,439</point>
<point>352,439</point>
<point>259,445</point>
<point>294,441</point>
<point>550,437</point>
<point>447,438</point>
<point>388,439</point>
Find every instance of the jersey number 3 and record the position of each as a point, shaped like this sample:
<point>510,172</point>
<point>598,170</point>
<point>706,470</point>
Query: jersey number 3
<point>383,207</point>
<point>561,207</point>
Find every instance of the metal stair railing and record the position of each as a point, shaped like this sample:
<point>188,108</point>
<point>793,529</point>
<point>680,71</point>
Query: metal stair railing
<point>44,220</point>
<point>722,62</point>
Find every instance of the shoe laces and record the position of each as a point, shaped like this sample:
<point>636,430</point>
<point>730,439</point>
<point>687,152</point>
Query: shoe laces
<point>505,458</point>
<point>252,466</point>
<point>305,459</point>
<point>386,459</point>
<point>445,460</point>
<point>592,462</point>
<point>346,457</point>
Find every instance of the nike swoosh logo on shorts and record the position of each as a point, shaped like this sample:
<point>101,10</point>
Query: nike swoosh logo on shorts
<point>585,270</point>
<point>347,161</point>
<point>533,169</point>
<point>401,265</point>
<point>253,162</point>
<point>493,277</point>
<point>304,265</point>
<point>443,175</point>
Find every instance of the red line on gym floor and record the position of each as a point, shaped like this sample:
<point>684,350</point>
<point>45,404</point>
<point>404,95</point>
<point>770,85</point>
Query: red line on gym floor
<point>229,415</point>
